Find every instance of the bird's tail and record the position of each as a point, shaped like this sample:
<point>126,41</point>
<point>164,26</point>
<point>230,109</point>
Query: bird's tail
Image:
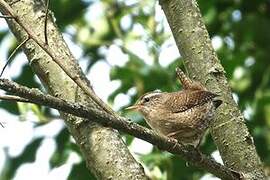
<point>187,83</point>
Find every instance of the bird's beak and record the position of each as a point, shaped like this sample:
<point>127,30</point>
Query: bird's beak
<point>134,107</point>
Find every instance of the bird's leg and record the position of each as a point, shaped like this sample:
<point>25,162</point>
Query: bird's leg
<point>176,142</point>
<point>171,136</point>
<point>199,143</point>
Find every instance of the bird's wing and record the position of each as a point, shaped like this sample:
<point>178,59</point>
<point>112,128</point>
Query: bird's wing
<point>186,99</point>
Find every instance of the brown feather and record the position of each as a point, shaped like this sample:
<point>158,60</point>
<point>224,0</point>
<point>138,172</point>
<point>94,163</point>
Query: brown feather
<point>189,99</point>
<point>184,115</point>
<point>187,83</point>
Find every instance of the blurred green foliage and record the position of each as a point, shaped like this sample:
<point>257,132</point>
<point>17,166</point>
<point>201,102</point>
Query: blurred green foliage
<point>242,28</point>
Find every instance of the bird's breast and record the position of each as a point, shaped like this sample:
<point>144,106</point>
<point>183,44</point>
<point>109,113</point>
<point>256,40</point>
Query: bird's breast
<point>192,120</point>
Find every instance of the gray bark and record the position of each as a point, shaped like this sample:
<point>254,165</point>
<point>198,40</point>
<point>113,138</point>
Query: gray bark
<point>228,130</point>
<point>105,153</point>
<point>188,153</point>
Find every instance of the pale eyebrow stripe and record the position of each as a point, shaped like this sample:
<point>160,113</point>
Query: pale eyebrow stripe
<point>151,95</point>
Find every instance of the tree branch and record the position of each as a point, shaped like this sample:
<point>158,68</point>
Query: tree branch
<point>12,54</point>
<point>57,59</point>
<point>45,22</point>
<point>188,153</point>
<point>228,130</point>
<point>14,98</point>
<point>103,149</point>
<point>6,16</point>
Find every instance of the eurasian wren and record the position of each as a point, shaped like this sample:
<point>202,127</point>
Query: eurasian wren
<point>182,115</point>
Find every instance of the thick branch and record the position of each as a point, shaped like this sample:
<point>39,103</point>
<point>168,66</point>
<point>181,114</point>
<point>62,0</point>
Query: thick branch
<point>188,153</point>
<point>104,151</point>
<point>228,130</point>
<point>57,59</point>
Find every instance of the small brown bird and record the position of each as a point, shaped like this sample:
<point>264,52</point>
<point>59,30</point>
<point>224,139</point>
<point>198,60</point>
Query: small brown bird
<point>182,115</point>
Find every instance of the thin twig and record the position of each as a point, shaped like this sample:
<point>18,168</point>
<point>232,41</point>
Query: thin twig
<point>14,98</point>
<point>45,23</point>
<point>75,77</point>
<point>188,153</point>
<point>6,17</point>
<point>14,2</point>
<point>12,54</point>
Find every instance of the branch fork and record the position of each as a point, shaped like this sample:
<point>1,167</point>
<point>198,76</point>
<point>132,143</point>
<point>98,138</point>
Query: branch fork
<point>190,154</point>
<point>107,117</point>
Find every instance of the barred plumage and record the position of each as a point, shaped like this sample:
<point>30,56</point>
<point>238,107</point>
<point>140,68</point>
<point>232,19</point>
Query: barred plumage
<point>184,115</point>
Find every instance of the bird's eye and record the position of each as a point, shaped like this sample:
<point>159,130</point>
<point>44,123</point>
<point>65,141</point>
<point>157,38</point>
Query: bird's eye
<point>146,99</point>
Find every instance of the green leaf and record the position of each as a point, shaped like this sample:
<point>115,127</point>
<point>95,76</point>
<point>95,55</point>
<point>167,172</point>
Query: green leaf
<point>79,171</point>
<point>62,150</point>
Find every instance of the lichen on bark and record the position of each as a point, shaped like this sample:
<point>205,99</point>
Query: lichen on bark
<point>100,146</point>
<point>228,130</point>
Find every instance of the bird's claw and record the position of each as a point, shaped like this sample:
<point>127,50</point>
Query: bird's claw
<point>176,142</point>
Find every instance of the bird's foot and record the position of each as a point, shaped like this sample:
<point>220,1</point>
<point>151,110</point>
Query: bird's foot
<point>176,142</point>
